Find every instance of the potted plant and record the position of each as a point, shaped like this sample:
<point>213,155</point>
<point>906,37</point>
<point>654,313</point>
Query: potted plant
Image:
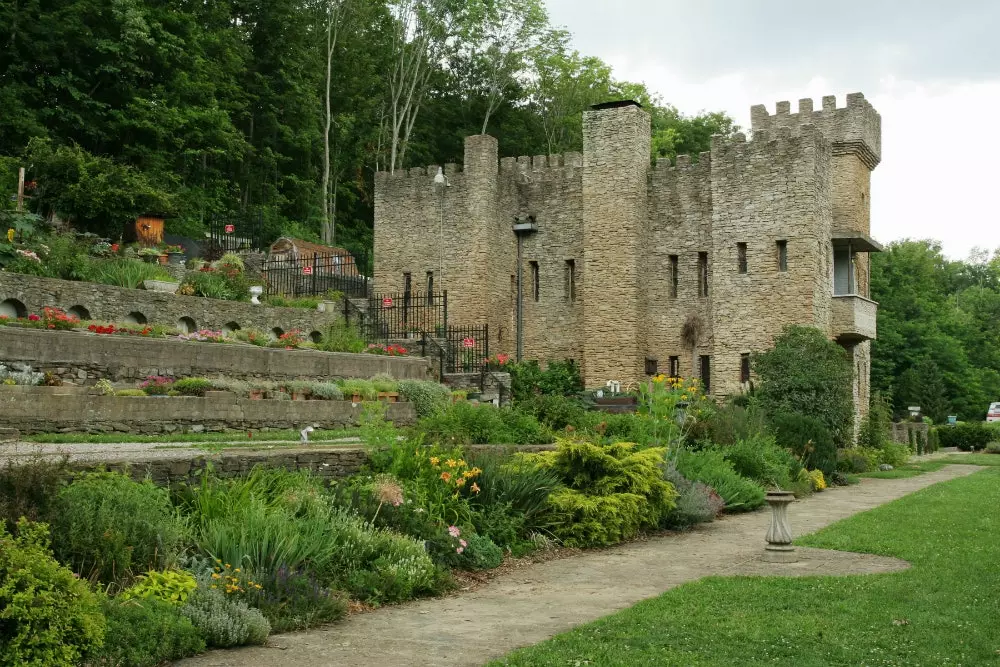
<point>152,255</point>
<point>175,254</point>
<point>387,388</point>
<point>299,390</point>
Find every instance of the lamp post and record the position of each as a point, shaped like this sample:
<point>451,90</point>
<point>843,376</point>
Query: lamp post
<point>522,227</point>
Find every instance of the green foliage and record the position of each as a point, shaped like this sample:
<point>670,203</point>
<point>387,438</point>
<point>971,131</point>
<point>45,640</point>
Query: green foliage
<point>145,633</point>
<point>224,621</point>
<point>466,424</point>
<point>611,491</point>
<point>48,618</point>
<point>696,502</point>
<point>967,436</point>
<point>342,337</point>
<point>481,553</point>
<point>807,374</point>
<point>710,467</point>
<point>327,391</point>
<point>358,387</point>
<point>128,273</point>
<point>560,378</point>
<point>29,487</point>
<point>761,459</point>
<point>876,427</point>
<point>808,438</point>
<point>509,482</point>
<point>131,392</point>
<point>192,386</point>
<point>428,397</point>
<point>291,601</point>
<point>231,285</point>
<point>107,527</point>
<point>173,586</point>
<point>556,412</point>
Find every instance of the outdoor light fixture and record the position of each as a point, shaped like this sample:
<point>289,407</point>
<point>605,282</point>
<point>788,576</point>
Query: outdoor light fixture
<point>440,178</point>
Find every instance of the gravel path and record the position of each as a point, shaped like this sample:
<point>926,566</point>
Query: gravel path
<point>535,603</point>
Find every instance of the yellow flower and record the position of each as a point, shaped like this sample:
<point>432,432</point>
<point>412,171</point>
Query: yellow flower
<point>474,488</point>
<point>236,570</point>
<point>684,397</point>
<point>10,235</point>
<point>468,473</point>
<point>451,463</point>
<point>435,460</point>
<point>462,463</point>
<point>216,576</point>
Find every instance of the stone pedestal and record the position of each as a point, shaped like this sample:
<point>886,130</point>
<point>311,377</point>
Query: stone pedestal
<point>779,547</point>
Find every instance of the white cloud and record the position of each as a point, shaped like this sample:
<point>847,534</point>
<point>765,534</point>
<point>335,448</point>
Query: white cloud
<point>938,171</point>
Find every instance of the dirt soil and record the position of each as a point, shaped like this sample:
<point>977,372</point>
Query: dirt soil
<point>530,603</point>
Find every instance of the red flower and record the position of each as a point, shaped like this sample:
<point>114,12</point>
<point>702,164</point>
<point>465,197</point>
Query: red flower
<point>114,247</point>
<point>33,318</point>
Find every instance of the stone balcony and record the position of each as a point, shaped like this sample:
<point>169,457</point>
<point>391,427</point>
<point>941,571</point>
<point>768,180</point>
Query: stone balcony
<point>853,318</point>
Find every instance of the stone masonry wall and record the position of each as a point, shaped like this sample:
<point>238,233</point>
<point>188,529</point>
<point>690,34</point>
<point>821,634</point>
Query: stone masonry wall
<point>615,170</point>
<point>51,410</point>
<point>116,304</point>
<point>85,358</point>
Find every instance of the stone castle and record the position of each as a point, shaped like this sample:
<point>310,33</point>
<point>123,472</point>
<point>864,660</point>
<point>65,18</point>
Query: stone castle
<point>630,268</point>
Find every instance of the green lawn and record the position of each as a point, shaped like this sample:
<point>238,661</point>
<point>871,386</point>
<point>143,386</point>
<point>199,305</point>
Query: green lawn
<point>942,611</point>
<point>234,438</point>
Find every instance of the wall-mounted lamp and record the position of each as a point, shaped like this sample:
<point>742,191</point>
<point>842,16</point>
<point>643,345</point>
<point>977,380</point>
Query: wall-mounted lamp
<point>441,179</point>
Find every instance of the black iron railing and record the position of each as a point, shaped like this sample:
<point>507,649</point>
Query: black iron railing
<point>467,349</point>
<point>314,275</point>
<point>406,315</point>
<point>236,232</point>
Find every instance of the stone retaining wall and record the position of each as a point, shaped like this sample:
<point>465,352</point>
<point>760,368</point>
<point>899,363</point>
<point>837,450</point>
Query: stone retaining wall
<point>72,410</point>
<point>330,463</point>
<point>86,357</point>
<point>119,305</point>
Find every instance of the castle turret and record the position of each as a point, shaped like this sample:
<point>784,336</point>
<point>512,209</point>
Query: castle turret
<point>616,140</point>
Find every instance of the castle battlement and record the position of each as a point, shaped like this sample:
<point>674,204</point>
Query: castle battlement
<point>855,129</point>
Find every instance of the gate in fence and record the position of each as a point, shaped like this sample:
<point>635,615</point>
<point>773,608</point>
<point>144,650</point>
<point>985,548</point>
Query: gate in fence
<point>314,275</point>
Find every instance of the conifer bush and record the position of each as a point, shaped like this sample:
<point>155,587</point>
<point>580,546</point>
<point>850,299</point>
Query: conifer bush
<point>611,491</point>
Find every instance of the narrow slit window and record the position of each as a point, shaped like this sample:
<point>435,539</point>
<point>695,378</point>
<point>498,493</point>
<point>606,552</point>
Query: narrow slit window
<point>407,283</point>
<point>535,287</point>
<point>745,367</point>
<point>706,373</point>
<point>782,255</point>
<point>741,257</point>
<point>673,275</point>
<point>430,287</point>
<point>675,367</point>
<point>702,274</point>
<point>570,280</point>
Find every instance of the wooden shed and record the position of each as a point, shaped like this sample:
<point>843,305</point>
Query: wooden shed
<point>325,259</point>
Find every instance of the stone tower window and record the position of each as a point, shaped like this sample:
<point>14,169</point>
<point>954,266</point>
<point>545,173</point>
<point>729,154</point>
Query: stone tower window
<point>782,255</point>
<point>570,286</point>
<point>675,367</point>
<point>651,365</point>
<point>745,367</point>
<point>705,362</point>
<point>535,286</point>
<point>741,257</point>
<point>702,274</point>
<point>407,283</point>
<point>430,287</point>
<point>673,276</point>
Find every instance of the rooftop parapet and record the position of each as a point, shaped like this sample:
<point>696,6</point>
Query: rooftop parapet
<point>852,130</point>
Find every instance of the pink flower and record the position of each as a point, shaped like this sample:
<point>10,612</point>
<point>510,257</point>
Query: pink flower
<point>463,543</point>
<point>454,531</point>
<point>33,317</point>
<point>459,550</point>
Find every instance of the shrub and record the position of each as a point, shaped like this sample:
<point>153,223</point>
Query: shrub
<point>134,393</point>
<point>967,436</point>
<point>760,458</point>
<point>556,412</point>
<point>612,491</point>
<point>857,460</point>
<point>145,633</point>
<point>225,621</point>
<point>466,424</point>
<point>808,438</point>
<point>28,489</point>
<point>105,526</point>
<point>560,378</point>
<point>384,383</point>
<point>506,481</point>
<point>361,388</point>
<point>157,385</point>
<point>47,616</point>
<point>193,386</point>
<point>428,397</point>
<point>711,467</point>
<point>326,391</point>
<point>993,448</point>
<point>128,273</point>
<point>817,480</point>
<point>876,427</point>
<point>728,424</point>
<point>481,553</point>
<point>696,502</point>
<point>807,374</point>
<point>173,586</point>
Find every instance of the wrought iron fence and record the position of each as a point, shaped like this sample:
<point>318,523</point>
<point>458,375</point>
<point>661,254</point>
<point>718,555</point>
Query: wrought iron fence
<point>314,275</point>
<point>236,232</point>
<point>406,315</point>
<point>467,349</point>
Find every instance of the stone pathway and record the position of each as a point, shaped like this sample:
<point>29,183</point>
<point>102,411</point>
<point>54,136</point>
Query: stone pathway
<point>531,605</point>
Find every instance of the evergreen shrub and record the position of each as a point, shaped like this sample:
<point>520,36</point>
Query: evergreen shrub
<point>710,467</point>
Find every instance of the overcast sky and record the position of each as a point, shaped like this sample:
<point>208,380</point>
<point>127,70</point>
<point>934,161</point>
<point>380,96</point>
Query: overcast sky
<point>931,68</point>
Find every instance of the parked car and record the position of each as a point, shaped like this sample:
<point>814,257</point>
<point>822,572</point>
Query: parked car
<point>993,414</point>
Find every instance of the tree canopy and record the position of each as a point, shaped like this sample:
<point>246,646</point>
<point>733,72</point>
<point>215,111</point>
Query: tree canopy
<point>288,106</point>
